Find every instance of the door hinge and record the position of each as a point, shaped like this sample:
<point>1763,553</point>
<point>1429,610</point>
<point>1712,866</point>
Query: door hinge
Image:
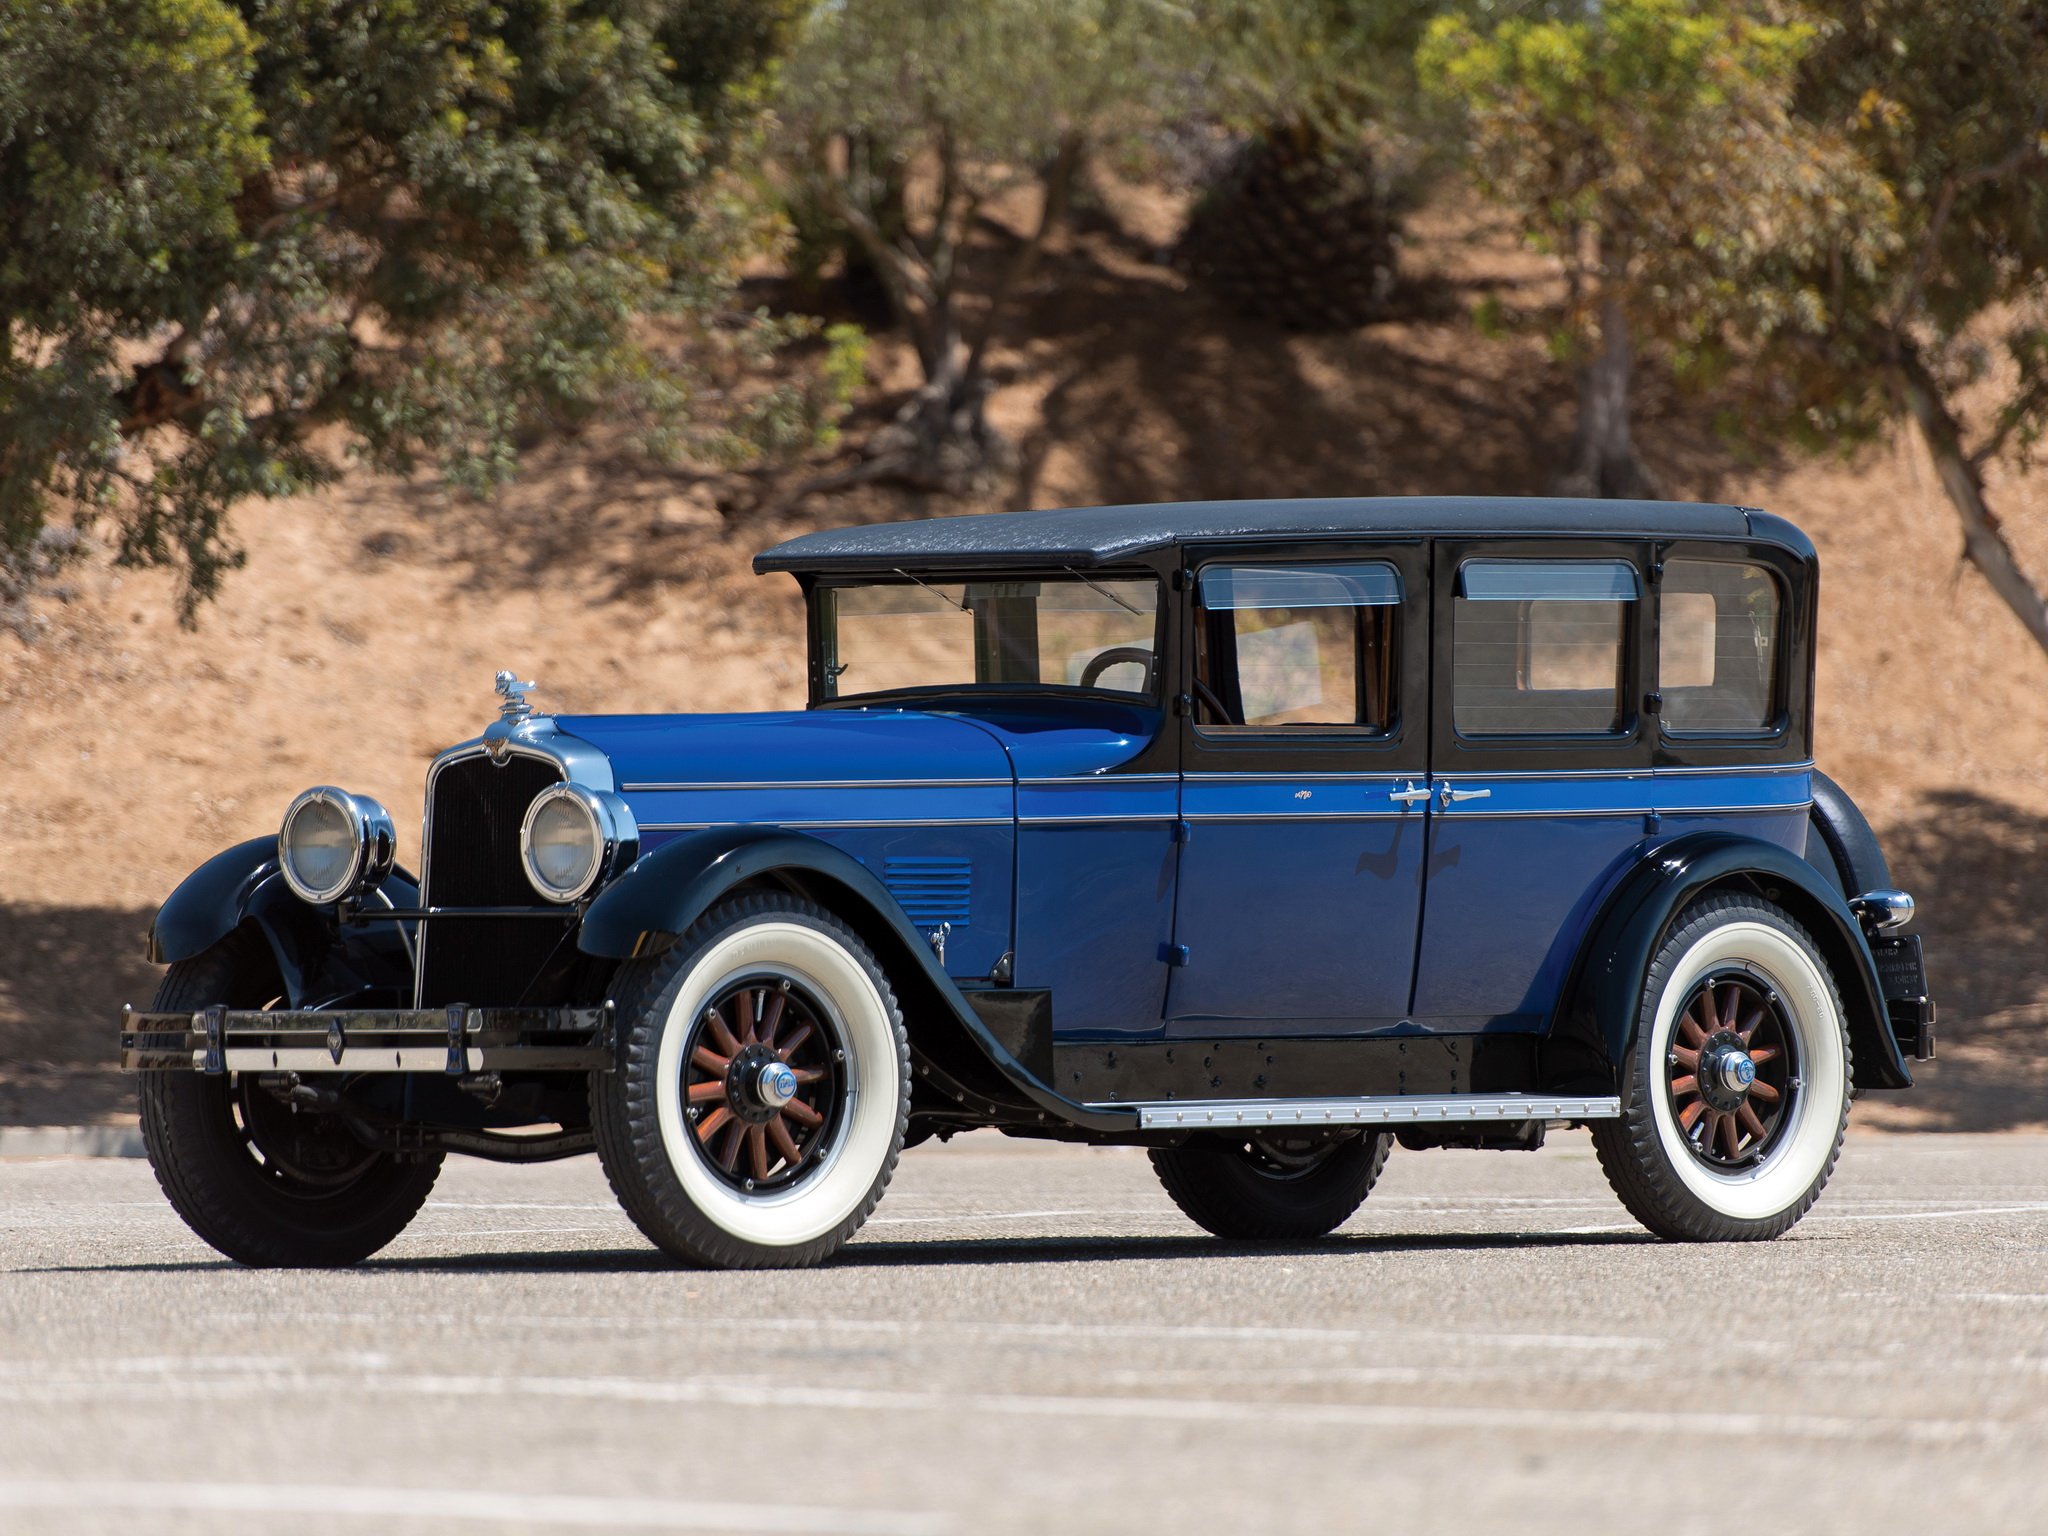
<point>1183,832</point>
<point>1174,954</point>
<point>1183,704</point>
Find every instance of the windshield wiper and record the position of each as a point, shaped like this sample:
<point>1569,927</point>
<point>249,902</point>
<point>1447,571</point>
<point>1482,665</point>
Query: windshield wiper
<point>1098,586</point>
<point>962,606</point>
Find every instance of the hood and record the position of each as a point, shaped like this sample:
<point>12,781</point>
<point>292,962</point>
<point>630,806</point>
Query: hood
<point>791,747</point>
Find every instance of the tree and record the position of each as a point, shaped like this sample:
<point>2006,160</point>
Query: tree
<point>1301,224</point>
<point>1650,145</point>
<point>1948,108</point>
<point>906,119</point>
<point>244,242</point>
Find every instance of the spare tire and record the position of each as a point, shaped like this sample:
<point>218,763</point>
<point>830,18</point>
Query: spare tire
<point>1839,842</point>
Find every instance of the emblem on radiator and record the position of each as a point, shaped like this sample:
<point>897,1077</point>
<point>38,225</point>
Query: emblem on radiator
<point>337,1041</point>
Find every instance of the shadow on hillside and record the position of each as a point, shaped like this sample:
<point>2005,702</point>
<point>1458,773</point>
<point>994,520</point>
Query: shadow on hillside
<point>1976,866</point>
<point>64,974</point>
<point>1146,389</point>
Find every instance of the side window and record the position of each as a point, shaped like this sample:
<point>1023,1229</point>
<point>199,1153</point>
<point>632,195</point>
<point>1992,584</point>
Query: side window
<point>1540,647</point>
<point>1717,647</point>
<point>1286,646</point>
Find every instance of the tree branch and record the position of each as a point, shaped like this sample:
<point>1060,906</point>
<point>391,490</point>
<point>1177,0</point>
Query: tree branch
<point>1984,540</point>
<point>2025,404</point>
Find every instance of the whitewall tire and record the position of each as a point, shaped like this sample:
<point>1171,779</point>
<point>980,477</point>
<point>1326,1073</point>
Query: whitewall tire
<point>1739,1081</point>
<point>763,1087</point>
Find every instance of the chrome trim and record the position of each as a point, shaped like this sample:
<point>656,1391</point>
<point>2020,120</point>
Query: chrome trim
<point>615,833</point>
<point>1108,816</point>
<point>376,840</point>
<point>809,784</point>
<point>1636,773</point>
<point>1224,776</point>
<point>1882,910</point>
<point>1207,816</point>
<point>1382,1109</point>
<point>1647,810</point>
<point>1107,776</point>
<point>776,821</point>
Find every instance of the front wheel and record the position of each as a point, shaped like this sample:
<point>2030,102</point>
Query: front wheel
<point>266,1186</point>
<point>1273,1185</point>
<point>1739,1080</point>
<point>762,1092</point>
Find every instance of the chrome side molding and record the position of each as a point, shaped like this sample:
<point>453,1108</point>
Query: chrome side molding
<point>1882,910</point>
<point>1381,1109</point>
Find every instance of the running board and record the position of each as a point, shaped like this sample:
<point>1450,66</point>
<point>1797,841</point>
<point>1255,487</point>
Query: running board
<point>1384,1109</point>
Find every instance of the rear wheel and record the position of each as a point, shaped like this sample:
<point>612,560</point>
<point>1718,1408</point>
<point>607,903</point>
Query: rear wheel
<point>1739,1079</point>
<point>266,1186</point>
<point>763,1089</point>
<point>1272,1185</point>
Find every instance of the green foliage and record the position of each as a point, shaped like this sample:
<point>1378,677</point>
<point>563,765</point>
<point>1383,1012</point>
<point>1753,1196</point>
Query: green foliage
<point>1651,146</point>
<point>901,120</point>
<point>1948,107</point>
<point>251,242</point>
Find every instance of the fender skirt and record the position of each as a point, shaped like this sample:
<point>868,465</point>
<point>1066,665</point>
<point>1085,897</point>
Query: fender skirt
<point>1594,1027</point>
<point>649,907</point>
<point>244,885</point>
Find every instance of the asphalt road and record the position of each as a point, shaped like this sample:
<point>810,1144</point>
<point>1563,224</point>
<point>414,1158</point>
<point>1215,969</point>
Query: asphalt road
<point>1032,1339</point>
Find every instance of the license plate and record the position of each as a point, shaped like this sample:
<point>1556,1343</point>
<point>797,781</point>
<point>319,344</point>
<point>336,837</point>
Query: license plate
<point>1900,967</point>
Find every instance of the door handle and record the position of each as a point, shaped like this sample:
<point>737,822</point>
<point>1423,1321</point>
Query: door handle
<point>1448,794</point>
<point>1409,795</point>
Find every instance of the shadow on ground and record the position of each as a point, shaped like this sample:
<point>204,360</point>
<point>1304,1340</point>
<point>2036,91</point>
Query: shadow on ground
<point>1976,866</point>
<point>64,974</point>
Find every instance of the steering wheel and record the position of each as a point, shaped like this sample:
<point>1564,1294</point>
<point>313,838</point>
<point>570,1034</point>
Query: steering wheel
<point>1214,704</point>
<point>1116,656</point>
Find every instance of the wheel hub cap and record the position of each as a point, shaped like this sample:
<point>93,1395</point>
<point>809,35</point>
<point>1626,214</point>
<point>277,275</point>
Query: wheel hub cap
<point>775,1084</point>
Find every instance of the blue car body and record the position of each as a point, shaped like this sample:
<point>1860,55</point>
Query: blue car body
<point>1105,913</point>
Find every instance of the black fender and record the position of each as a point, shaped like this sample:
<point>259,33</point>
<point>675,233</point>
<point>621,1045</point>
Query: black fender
<point>243,884</point>
<point>1594,1027</point>
<point>653,903</point>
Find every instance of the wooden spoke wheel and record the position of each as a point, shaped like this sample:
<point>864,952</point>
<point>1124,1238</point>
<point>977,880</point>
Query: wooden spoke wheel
<point>763,1089</point>
<point>1738,1080</point>
<point>761,1082</point>
<point>1732,1069</point>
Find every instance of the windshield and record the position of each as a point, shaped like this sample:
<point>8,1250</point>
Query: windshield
<point>1066,631</point>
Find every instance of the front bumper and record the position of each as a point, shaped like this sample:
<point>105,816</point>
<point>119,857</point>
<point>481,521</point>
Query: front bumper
<point>454,1041</point>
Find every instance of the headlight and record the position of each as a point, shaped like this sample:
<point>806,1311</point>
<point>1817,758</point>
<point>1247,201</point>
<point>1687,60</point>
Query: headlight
<point>333,842</point>
<point>572,837</point>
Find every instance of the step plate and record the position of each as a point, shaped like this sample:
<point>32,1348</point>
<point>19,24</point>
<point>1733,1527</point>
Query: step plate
<point>1402,1109</point>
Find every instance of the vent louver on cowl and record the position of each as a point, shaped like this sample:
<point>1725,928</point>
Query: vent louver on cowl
<point>930,890</point>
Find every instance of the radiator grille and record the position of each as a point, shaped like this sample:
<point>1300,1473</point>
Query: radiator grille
<point>473,861</point>
<point>930,890</point>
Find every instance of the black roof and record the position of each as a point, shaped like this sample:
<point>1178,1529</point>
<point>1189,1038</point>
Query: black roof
<point>1098,536</point>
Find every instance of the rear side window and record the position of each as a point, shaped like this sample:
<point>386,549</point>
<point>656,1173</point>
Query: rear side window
<point>1540,647</point>
<point>1307,646</point>
<point>1717,647</point>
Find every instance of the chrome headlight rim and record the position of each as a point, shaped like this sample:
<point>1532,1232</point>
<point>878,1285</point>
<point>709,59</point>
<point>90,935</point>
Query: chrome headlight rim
<point>615,838</point>
<point>373,845</point>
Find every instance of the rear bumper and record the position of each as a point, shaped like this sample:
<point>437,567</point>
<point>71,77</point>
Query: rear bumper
<point>452,1041</point>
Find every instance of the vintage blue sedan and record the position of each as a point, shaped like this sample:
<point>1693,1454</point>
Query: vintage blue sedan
<point>1259,834</point>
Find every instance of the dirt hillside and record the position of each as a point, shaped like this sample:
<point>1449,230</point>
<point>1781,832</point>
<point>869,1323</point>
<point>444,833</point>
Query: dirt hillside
<point>363,633</point>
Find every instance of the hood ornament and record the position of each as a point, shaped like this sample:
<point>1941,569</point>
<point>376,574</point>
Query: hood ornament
<point>513,692</point>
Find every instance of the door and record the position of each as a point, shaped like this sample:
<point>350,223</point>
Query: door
<point>1540,766</point>
<point>1304,795</point>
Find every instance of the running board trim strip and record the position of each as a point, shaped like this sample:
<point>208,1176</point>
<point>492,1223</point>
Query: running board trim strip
<point>1385,1109</point>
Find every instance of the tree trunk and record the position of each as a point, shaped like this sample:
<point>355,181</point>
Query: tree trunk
<point>1984,542</point>
<point>1604,461</point>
